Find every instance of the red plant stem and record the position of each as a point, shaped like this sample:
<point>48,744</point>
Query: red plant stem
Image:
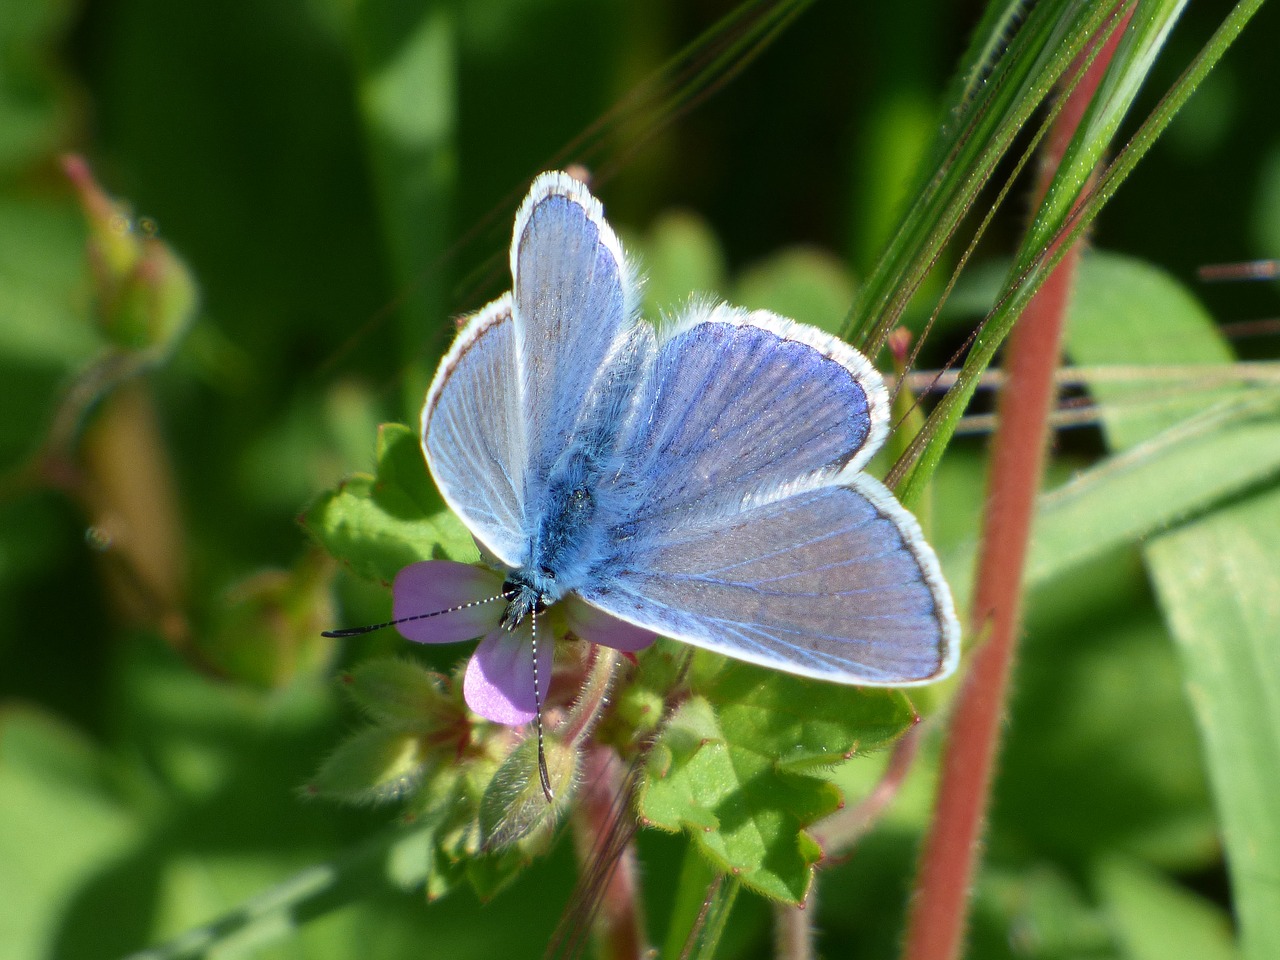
<point>938,914</point>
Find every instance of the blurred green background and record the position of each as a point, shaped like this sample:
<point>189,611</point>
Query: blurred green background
<point>339,179</point>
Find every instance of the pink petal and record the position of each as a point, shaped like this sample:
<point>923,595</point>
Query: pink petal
<point>440,587</point>
<point>499,680</point>
<point>592,624</point>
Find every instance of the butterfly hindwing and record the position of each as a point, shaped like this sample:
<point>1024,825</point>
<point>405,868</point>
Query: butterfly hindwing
<point>742,405</point>
<point>834,582</point>
<point>753,531</point>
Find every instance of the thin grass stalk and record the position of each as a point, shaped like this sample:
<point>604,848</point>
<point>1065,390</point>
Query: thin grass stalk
<point>938,915</point>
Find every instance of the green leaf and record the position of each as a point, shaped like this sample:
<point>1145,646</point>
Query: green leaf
<point>406,69</point>
<point>1127,311</point>
<point>1154,918</point>
<point>514,807</point>
<point>1148,489</point>
<point>1169,435</point>
<point>399,693</point>
<point>64,825</point>
<point>1153,486</point>
<point>1217,580</point>
<point>36,101</point>
<point>682,258</point>
<point>1101,754</point>
<point>1035,912</point>
<point>736,765</point>
<point>44,307</point>
<point>45,331</point>
<point>375,765</point>
<point>1266,205</point>
<point>379,524</point>
<point>267,631</point>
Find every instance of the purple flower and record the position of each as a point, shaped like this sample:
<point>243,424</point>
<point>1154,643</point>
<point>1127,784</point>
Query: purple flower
<point>499,679</point>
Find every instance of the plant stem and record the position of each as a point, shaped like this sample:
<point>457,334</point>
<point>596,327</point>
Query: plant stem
<point>793,928</point>
<point>839,832</point>
<point>936,925</point>
<point>709,926</point>
<point>619,924</point>
<point>592,698</point>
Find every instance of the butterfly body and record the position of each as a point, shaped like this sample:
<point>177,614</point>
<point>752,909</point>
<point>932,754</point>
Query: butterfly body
<point>701,480</point>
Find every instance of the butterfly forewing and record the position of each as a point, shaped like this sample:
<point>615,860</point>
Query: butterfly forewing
<point>527,372</point>
<point>473,430</point>
<point>573,301</point>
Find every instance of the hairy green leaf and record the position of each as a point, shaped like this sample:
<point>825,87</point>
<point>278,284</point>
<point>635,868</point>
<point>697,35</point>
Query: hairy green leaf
<point>737,766</point>
<point>375,765</point>
<point>399,692</point>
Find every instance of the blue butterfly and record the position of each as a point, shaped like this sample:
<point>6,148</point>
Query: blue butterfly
<point>701,480</point>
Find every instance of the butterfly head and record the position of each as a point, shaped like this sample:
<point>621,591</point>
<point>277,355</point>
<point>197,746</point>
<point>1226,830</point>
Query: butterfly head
<point>527,593</point>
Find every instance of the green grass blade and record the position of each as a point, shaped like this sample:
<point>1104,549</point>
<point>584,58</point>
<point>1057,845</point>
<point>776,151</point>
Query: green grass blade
<point>1218,581</point>
<point>1211,415</point>
<point>976,137</point>
<point>1155,918</point>
<point>1060,219</point>
<point>1148,489</point>
<point>393,859</point>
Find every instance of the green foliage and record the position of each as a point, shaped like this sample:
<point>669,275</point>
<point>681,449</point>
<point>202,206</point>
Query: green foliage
<point>35,102</point>
<point>381,523</point>
<point>807,285</point>
<point>1216,578</point>
<point>1071,199</point>
<point>289,205</point>
<point>1156,918</point>
<point>267,631</point>
<point>470,789</point>
<point>739,767</point>
<point>397,693</point>
<point>514,807</point>
<point>373,766</point>
<point>52,781</point>
<point>684,259</point>
<point>1159,480</point>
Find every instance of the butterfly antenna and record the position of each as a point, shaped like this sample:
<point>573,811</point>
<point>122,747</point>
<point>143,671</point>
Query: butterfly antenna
<point>537,715</point>
<point>357,631</point>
